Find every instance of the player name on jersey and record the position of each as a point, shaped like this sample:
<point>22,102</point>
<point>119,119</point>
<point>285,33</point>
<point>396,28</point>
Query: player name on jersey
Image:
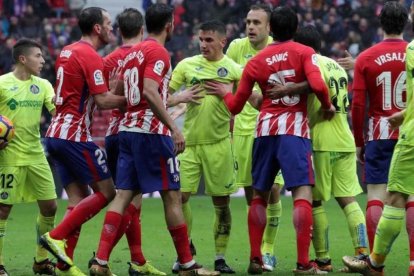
<point>382,59</point>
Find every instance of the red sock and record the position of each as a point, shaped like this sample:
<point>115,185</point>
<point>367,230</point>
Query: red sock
<point>72,239</point>
<point>256,220</point>
<point>126,221</point>
<point>108,235</point>
<point>302,220</point>
<point>83,211</point>
<point>133,235</point>
<point>181,243</point>
<point>372,217</point>
<point>410,226</point>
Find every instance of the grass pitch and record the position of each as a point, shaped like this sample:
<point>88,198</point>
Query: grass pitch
<point>158,248</point>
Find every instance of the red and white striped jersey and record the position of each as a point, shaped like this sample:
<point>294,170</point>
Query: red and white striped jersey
<point>380,76</point>
<point>281,63</point>
<point>148,59</point>
<point>112,62</point>
<point>79,76</point>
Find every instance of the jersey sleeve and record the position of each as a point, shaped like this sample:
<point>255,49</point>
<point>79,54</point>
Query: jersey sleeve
<point>49,95</point>
<point>158,64</point>
<point>358,103</point>
<point>314,77</point>
<point>94,69</point>
<point>178,77</point>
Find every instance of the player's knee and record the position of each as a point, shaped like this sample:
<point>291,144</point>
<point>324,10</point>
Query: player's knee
<point>5,211</point>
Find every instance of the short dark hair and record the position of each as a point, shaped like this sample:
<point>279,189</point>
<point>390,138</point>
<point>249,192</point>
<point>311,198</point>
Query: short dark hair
<point>393,18</point>
<point>157,16</point>
<point>309,36</point>
<point>263,7</point>
<point>22,47</point>
<point>88,17</point>
<point>283,23</point>
<point>130,22</point>
<point>214,25</point>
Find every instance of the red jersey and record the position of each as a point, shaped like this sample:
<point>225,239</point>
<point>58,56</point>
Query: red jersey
<point>379,74</point>
<point>148,59</point>
<point>79,76</point>
<point>112,62</point>
<point>281,63</point>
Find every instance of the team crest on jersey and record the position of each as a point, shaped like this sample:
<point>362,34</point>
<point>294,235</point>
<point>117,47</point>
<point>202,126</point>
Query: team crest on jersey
<point>315,59</point>
<point>98,77</point>
<point>34,89</point>
<point>159,67</point>
<point>222,72</point>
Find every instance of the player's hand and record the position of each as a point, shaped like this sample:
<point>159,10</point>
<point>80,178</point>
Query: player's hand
<point>114,77</point>
<point>218,88</point>
<point>179,142</point>
<point>347,62</point>
<point>3,144</point>
<point>396,119</point>
<point>328,114</point>
<point>191,95</point>
<point>178,110</point>
<point>360,154</point>
<point>277,91</point>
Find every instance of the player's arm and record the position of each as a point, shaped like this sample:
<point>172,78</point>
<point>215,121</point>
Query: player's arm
<point>108,100</point>
<point>157,106</point>
<point>49,100</point>
<point>178,111</point>
<point>236,102</point>
<point>347,62</point>
<point>189,95</point>
<point>278,91</point>
<point>396,119</point>
<point>256,99</point>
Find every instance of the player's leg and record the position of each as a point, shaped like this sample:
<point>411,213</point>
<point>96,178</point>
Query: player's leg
<point>377,163</point>
<point>409,220</point>
<point>86,163</point>
<point>273,214</point>
<point>242,148</point>
<point>5,210</point>
<point>218,172</point>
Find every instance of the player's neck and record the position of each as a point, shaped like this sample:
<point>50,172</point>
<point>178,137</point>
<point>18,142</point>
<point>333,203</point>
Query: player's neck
<point>131,41</point>
<point>94,41</point>
<point>160,38</point>
<point>21,73</point>
<point>260,46</point>
<point>393,36</point>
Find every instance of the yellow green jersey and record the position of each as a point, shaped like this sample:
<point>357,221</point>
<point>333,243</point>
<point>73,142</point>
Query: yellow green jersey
<point>335,134</point>
<point>208,122</point>
<point>241,51</point>
<point>22,103</point>
<point>406,136</point>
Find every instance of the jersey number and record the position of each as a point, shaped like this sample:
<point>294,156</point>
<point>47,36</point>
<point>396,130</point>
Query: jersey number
<point>174,165</point>
<point>280,78</point>
<point>6,181</point>
<point>341,105</point>
<point>131,88</point>
<point>392,94</point>
<point>59,80</point>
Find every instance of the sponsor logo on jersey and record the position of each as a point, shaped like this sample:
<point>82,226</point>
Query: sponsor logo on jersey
<point>12,104</point>
<point>315,59</point>
<point>222,72</point>
<point>158,67</point>
<point>34,89</point>
<point>98,77</point>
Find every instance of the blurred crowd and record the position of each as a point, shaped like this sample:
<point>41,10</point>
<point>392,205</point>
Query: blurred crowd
<point>350,25</point>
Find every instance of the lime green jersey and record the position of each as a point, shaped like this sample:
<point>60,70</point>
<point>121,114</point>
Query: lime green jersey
<point>208,122</point>
<point>22,103</point>
<point>335,134</point>
<point>406,136</point>
<point>241,51</point>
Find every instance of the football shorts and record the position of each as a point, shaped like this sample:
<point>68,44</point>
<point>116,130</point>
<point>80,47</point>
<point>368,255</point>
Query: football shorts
<point>378,154</point>
<point>112,152</point>
<point>335,174</point>
<point>401,177</point>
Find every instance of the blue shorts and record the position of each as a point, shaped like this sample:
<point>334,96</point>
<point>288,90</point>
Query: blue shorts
<point>83,162</point>
<point>112,153</point>
<point>147,163</point>
<point>378,156</point>
<point>291,154</point>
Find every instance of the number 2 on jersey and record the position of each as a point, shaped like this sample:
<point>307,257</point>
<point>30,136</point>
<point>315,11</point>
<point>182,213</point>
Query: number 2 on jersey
<point>131,88</point>
<point>59,80</point>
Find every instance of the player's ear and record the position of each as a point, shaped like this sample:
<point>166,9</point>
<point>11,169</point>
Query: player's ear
<point>169,27</point>
<point>97,28</point>
<point>22,59</point>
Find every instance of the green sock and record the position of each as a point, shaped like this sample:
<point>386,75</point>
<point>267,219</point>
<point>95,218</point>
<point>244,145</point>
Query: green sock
<point>222,227</point>
<point>320,237</point>
<point>188,216</point>
<point>273,214</point>
<point>3,224</point>
<point>43,225</point>
<point>388,229</point>
<point>357,227</point>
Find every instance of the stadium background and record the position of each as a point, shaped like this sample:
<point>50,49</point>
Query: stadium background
<point>350,25</point>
